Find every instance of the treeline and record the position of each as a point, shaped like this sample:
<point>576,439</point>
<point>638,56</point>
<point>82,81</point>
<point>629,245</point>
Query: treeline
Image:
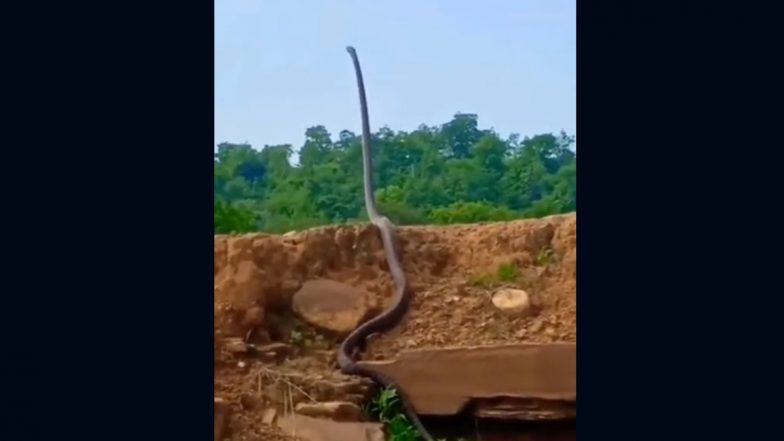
<point>454,173</point>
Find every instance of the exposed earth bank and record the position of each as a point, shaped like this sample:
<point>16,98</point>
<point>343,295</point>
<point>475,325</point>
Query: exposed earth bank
<point>283,302</point>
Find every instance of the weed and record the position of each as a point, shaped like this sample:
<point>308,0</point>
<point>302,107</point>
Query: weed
<point>508,272</point>
<point>387,407</point>
<point>481,280</point>
<point>545,256</point>
<point>297,338</point>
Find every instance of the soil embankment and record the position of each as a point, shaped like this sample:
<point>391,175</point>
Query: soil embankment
<point>282,302</point>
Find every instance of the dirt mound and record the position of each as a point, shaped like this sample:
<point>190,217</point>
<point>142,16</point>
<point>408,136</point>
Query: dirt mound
<point>453,272</point>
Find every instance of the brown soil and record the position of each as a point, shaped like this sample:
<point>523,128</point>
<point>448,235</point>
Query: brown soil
<point>453,271</point>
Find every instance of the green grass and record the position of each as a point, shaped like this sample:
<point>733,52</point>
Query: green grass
<point>387,408</point>
<point>545,256</point>
<point>506,272</point>
<point>481,280</point>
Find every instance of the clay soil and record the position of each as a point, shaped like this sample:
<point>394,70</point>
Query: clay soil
<point>453,271</point>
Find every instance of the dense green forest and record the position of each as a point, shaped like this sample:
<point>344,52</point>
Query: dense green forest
<point>452,173</point>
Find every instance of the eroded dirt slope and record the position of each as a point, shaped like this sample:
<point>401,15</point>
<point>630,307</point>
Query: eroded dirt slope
<point>453,271</point>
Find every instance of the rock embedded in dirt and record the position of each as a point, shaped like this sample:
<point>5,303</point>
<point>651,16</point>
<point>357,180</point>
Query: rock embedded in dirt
<point>269,416</point>
<point>512,301</point>
<point>341,411</point>
<point>332,306</point>
<point>357,391</point>
<point>443,381</point>
<point>318,429</point>
<point>235,345</point>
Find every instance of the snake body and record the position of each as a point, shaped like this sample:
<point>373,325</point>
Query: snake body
<point>391,316</point>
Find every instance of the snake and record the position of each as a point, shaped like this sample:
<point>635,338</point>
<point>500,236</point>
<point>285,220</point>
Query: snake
<point>390,317</point>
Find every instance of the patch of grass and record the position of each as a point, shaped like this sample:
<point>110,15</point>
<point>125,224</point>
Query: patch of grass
<point>545,256</point>
<point>297,338</point>
<point>481,280</point>
<point>387,408</point>
<point>508,272</point>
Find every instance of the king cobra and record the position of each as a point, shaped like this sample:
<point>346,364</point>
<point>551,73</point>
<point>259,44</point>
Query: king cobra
<point>391,316</point>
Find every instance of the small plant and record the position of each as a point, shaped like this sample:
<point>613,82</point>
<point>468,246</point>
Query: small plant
<point>388,409</point>
<point>386,404</point>
<point>545,256</point>
<point>482,280</point>
<point>297,338</point>
<point>508,272</point>
<point>400,429</point>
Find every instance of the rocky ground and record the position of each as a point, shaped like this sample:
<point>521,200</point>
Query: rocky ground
<point>283,302</point>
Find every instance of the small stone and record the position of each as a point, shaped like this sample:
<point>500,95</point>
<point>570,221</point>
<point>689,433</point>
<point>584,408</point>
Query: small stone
<point>241,364</point>
<point>512,301</point>
<point>235,345</point>
<point>334,410</point>
<point>375,434</point>
<point>521,333</point>
<point>269,416</point>
<point>550,331</point>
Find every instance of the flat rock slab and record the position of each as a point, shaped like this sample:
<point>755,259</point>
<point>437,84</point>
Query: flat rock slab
<point>332,306</point>
<point>317,429</point>
<point>521,381</point>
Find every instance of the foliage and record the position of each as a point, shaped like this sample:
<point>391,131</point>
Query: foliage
<point>387,408</point>
<point>508,272</point>
<point>232,218</point>
<point>544,256</point>
<point>505,272</point>
<point>469,212</point>
<point>481,280</point>
<point>453,173</point>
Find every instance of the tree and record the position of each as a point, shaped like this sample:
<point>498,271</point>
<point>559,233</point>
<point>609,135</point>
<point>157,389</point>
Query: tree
<point>450,173</point>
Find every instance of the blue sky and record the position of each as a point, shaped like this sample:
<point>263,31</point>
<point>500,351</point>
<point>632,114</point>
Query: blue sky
<point>281,66</point>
